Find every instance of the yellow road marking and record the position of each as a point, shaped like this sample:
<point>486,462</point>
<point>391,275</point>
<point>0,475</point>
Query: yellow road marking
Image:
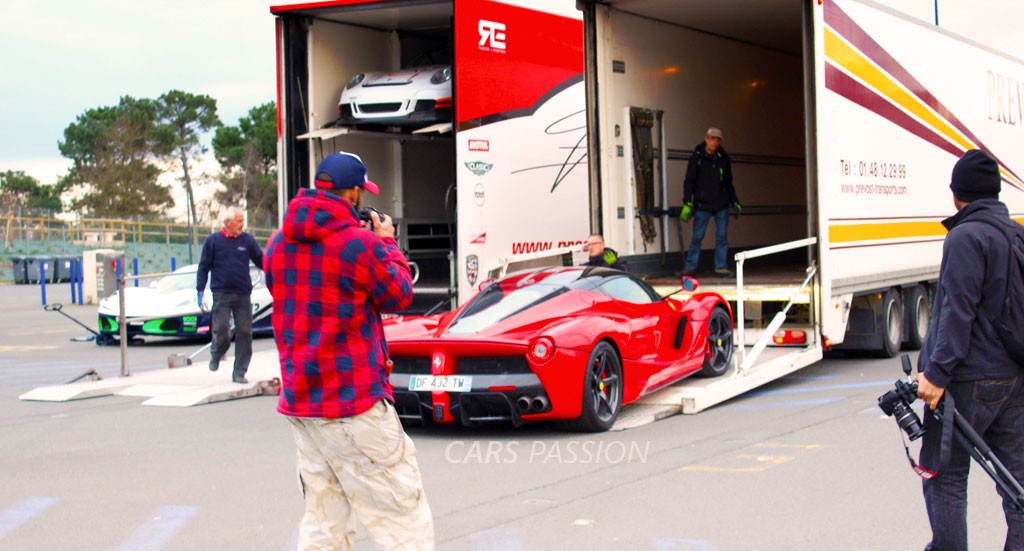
<point>765,461</point>
<point>25,348</point>
<point>706,469</point>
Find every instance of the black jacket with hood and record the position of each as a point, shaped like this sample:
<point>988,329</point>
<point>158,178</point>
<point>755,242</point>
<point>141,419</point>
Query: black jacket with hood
<point>962,343</point>
<point>708,183</point>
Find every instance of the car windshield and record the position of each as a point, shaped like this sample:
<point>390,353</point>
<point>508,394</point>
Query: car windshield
<point>494,304</point>
<point>176,282</point>
<point>186,280</point>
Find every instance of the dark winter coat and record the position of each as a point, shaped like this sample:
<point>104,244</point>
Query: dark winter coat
<point>962,344</point>
<point>708,183</point>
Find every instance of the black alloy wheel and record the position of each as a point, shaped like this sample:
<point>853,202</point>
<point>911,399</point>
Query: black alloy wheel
<point>718,353</point>
<point>602,390</point>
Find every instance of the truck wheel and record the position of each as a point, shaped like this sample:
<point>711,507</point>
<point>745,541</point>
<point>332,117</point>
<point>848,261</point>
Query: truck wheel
<point>890,323</point>
<point>602,390</point>
<point>919,312</point>
<point>718,352</point>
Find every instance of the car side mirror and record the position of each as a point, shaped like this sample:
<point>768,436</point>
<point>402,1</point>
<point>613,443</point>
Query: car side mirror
<point>688,283</point>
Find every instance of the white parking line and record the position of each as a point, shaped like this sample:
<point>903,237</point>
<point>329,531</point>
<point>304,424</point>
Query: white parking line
<point>154,535</point>
<point>14,516</point>
<point>682,544</point>
<point>498,539</point>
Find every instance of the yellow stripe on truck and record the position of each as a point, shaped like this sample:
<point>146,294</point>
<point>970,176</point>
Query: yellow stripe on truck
<point>880,231</point>
<point>859,66</point>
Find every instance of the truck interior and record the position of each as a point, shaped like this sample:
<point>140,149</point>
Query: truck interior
<point>661,73</point>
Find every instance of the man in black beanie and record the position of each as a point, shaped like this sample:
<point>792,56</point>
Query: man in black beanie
<point>963,355</point>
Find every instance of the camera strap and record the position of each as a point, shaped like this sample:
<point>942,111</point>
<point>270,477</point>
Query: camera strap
<point>945,417</point>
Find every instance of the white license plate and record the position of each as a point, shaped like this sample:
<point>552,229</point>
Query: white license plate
<point>448,383</point>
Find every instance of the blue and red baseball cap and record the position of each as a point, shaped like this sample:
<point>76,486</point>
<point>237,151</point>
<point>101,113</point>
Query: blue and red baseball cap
<point>343,170</point>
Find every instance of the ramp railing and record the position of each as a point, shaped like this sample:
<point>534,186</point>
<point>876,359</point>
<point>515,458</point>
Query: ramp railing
<point>747,360</point>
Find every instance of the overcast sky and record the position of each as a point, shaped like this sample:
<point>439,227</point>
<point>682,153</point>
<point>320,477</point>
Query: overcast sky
<point>59,58</point>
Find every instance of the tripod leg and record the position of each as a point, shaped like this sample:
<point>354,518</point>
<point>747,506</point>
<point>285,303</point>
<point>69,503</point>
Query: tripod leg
<point>979,450</point>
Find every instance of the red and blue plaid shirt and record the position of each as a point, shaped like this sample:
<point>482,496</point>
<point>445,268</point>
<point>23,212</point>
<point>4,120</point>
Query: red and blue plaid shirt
<point>330,280</point>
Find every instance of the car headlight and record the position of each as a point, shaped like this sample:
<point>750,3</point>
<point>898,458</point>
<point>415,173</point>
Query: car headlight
<point>355,81</point>
<point>442,75</point>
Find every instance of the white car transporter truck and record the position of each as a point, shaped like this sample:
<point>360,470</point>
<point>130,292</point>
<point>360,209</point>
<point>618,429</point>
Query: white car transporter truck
<point>843,119</point>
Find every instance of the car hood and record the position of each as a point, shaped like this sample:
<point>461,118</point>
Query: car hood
<point>517,328</point>
<point>146,302</point>
<point>401,77</point>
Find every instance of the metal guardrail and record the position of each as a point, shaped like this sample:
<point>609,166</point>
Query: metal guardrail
<point>101,231</point>
<point>748,359</point>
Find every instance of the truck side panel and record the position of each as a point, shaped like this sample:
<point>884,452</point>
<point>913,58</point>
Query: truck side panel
<point>521,140</point>
<point>898,102</point>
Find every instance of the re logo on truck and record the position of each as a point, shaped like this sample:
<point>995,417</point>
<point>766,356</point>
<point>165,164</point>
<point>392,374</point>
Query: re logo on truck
<point>479,145</point>
<point>492,35</point>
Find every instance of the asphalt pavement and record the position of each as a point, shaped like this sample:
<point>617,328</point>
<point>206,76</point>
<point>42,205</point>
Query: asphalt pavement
<point>807,462</point>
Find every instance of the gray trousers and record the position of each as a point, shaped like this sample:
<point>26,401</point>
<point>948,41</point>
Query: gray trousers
<point>239,307</point>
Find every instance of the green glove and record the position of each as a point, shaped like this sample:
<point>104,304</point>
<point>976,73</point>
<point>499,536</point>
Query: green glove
<point>610,258</point>
<point>684,215</point>
<point>738,207</point>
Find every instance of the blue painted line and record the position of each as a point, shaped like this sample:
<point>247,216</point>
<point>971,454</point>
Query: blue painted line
<point>14,516</point>
<point>499,539</point>
<point>682,544</point>
<point>792,403</point>
<point>154,535</point>
<point>819,388</point>
<point>808,377</point>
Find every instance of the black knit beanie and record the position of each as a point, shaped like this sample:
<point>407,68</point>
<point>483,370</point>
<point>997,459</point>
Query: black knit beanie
<point>975,176</point>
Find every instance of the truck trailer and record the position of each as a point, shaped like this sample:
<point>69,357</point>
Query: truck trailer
<point>843,119</point>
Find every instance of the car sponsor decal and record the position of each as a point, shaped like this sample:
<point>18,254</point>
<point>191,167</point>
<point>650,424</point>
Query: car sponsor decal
<point>479,167</point>
<point>478,195</point>
<point>472,268</point>
<point>478,238</point>
<point>479,145</point>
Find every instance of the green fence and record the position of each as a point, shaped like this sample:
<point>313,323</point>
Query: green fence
<point>152,244</point>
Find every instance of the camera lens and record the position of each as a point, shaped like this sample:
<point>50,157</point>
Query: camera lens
<point>908,421</point>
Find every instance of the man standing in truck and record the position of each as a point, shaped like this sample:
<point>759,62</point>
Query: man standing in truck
<point>708,193</point>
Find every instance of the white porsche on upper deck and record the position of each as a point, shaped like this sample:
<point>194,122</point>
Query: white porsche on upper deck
<point>419,95</point>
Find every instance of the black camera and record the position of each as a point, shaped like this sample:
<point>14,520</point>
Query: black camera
<point>365,214</point>
<point>896,403</point>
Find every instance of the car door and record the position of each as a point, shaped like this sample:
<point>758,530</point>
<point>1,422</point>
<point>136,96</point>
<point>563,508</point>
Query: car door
<point>652,324</point>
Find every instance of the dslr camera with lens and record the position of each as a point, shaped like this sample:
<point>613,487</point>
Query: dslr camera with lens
<point>366,212</point>
<point>896,403</point>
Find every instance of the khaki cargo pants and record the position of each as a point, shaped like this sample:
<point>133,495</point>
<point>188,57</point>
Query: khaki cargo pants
<point>361,467</point>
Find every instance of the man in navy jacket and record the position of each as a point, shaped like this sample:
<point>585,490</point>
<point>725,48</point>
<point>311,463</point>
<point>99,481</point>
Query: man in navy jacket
<point>963,355</point>
<point>227,254</point>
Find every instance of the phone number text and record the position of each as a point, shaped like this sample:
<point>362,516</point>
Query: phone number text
<point>872,169</point>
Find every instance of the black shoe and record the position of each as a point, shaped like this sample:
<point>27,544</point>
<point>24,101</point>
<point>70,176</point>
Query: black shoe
<point>214,365</point>
<point>239,379</point>
<point>724,272</point>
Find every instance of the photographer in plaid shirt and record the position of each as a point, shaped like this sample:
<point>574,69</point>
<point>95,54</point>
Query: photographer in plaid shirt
<point>331,279</point>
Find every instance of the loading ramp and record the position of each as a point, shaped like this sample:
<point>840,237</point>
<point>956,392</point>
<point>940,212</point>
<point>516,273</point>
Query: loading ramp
<point>174,387</point>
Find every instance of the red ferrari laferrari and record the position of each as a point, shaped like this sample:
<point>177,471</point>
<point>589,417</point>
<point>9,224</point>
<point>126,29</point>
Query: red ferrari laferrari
<point>565,343</point>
